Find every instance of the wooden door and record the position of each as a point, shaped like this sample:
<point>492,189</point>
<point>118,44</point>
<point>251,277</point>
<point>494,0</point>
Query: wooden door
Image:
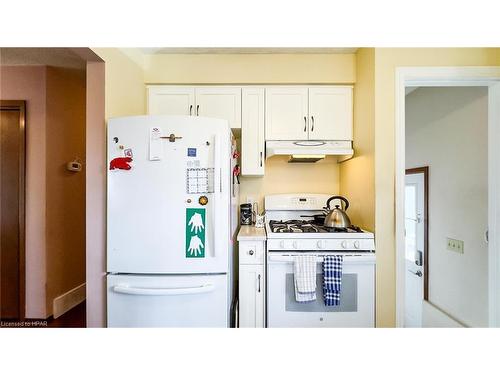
<point>220,102</point>
<point>171,100</point>
<point>330,113</point>
<point>286,113</point>
<point>12,169</point>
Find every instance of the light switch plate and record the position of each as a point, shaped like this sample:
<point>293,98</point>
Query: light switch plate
<point>455,245</point>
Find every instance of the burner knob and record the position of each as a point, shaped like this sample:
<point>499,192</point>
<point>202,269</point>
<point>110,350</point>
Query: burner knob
<point>344,244</point>
<point>319,244</point>
<point>294,244</point>
<point>356,244</point>
<point>282,244</point>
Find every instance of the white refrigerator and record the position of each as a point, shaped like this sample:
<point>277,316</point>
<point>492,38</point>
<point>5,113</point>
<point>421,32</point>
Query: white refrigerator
<point>171,221</point>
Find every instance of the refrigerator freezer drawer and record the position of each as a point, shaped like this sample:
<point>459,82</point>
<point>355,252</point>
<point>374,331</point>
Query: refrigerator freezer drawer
<point>168,301</point>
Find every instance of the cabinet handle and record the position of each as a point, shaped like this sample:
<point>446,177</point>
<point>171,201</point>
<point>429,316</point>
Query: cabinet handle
<point>261,158</point>
<point>305,123</point>
<point>258,277</point>
<point>190,109</point>
<point>198,110</point>
<point>312,122</point>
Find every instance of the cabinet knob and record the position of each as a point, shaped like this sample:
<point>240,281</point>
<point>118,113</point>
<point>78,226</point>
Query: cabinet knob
<point>251,252</point>
<point>294,244</point>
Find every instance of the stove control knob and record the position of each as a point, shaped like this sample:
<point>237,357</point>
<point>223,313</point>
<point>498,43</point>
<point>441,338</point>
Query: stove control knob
<point>356,244</point>
<point>294,244</point>
<point>344,244</point>
<point>282,244</point>
<point>319,244</point>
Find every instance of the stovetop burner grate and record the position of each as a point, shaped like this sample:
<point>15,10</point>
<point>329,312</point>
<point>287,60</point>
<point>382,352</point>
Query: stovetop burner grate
<point>306,226</point>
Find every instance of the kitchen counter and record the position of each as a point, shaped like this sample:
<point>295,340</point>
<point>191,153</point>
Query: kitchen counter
<point>250,233</point>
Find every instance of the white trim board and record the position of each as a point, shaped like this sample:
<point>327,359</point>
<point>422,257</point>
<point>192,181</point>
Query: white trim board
<point>438,77</point>
<point>68,300</point>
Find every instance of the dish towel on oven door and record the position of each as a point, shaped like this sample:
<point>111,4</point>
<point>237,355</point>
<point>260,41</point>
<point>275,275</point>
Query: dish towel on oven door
<point>304,272</point>
<point>332,279</point>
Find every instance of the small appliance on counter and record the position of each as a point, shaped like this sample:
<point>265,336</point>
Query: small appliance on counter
<point>246,214</point>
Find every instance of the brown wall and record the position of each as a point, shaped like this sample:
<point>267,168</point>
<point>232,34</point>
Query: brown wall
<point>55,198</point>
<point>29,83</point>
<point>65,140</point>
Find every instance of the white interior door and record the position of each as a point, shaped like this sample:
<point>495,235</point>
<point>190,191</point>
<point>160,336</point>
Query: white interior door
<point>414,253</point>
<point>330,113</point>
<point>171,100</point>
<point>220,102</point>
<point>286,113</point>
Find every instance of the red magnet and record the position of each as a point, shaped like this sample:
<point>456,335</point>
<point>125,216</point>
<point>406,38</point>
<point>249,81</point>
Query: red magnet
<point>120,163</point>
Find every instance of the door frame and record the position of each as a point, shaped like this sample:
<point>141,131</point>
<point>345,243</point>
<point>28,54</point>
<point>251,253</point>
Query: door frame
<point>425,172</point>
<point>20,105</point>
<point>450,77</point>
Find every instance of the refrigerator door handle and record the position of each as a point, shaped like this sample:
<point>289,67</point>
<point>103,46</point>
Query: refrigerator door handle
<point>217,192</point>
<point>125,289</point>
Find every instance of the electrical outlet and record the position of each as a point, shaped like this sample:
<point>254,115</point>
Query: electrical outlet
<point>250,199</point>
<point>455,245</point>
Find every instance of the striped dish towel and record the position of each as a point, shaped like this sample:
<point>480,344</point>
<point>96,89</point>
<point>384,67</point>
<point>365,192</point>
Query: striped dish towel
<point>304,272</point>
<point>332,279</point>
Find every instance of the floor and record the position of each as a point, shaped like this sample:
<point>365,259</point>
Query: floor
<point>74,318</point>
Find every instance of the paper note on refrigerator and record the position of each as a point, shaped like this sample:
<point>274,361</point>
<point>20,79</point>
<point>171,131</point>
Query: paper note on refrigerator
<point>155,144</point>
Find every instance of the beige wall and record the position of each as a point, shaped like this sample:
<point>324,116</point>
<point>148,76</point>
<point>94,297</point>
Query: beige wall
<point>28,83</point>
<point>386,61</point>
<point>65,197</point>
<point>124,82</point>
<point>250,68</point>
<point>95,196</point>
<point>357,175</point>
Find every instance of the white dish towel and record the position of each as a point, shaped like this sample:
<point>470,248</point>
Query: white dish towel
<point>304,272</point>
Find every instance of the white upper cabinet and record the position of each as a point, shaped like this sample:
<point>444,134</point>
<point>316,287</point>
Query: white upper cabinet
<point>330,113</point>
<point>171,100</point>
<point>286,113</point>
<point>252,131</point>
<point>219,102</point>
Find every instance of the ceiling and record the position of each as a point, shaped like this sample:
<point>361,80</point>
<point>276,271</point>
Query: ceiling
<point>237,50</point>
<point>59,57</point>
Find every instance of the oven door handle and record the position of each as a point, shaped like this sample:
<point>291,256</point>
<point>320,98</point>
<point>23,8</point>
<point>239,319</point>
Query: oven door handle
<point>358,259</point>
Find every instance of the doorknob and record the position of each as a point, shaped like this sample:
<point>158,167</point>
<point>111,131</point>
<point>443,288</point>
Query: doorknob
<point>418,273</point>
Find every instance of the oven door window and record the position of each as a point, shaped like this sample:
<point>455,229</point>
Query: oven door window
<point>348,296</point>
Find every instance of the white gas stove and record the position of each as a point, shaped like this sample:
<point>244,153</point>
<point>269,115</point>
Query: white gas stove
<point>290,234</point>
<point>288,228</point>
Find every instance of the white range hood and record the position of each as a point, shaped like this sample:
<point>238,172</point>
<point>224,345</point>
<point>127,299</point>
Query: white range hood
<point>310,151</point>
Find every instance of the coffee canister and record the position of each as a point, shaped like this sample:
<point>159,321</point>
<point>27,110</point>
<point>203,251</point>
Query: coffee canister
<point>246,214</point>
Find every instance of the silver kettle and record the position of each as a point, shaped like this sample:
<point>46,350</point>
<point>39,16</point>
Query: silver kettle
<point>337,217</point>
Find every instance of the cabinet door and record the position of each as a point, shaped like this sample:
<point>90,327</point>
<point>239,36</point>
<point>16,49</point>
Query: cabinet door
<point>251,296</point>
<point>220,102</point>
<point>171,100</point>
<point>330,113</point>
<point>252,132</point>
<point>286,113</point>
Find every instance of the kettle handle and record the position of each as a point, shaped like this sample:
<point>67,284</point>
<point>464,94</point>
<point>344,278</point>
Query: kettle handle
<point>338,197</point>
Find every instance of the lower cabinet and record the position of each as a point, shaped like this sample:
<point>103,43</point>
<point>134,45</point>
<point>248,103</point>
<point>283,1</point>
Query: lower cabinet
<point>252,292</point>
<point>252,284</point>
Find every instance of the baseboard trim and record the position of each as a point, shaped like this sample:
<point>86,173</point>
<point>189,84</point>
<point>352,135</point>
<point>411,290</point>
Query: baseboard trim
<point>68,300</point>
